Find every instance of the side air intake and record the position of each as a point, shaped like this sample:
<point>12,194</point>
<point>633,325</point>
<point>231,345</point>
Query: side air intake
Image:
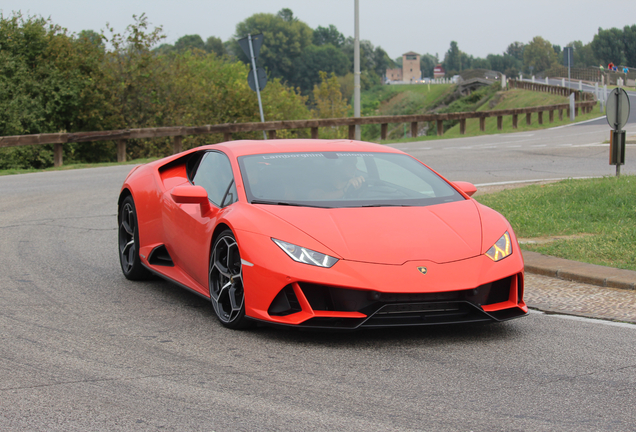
<point>160,257</point>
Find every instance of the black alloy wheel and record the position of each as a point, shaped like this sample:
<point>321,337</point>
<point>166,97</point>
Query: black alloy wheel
<point>129,242</point>
<point>226,282</point>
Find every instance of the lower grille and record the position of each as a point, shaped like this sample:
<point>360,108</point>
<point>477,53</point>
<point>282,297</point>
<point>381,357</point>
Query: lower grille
<point>425,313</point>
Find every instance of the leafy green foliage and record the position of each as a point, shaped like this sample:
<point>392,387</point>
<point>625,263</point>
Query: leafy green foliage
<point>54,82</point>
<point>539,54</point>
<point>330,104</point>
<point>315,60</point>
<point>427,64</point>
<point>46,84</point>
<point>608,46</point>
<point>285,39</point>
<point>328,35</point>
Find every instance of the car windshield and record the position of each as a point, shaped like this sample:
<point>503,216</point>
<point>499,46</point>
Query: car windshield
<point>335,179</point>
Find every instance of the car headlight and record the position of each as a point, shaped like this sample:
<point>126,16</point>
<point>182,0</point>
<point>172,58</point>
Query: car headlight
<point>501,249</point>
<point>306,256</point>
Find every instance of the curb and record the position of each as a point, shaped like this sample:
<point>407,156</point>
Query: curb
<point>579,272</point>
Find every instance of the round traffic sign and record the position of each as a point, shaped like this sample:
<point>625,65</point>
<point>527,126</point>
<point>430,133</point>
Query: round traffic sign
<point>617,108</point>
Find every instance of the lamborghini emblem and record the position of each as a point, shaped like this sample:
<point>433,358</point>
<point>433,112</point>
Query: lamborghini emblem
<point>422,270</point>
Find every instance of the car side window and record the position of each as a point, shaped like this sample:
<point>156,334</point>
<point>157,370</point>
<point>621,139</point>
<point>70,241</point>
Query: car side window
<point>214,174</point>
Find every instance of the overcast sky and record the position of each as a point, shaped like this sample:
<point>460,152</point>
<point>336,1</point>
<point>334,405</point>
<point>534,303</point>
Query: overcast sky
<point>398,26</point>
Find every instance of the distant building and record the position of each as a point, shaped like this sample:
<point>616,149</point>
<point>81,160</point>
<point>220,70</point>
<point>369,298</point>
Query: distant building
<point>394,74</point>
<point>411,67</point>
<point>410,70</point>
<point>439,71</point>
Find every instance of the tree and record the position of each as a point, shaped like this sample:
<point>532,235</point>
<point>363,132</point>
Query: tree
<point>330,103</point>
<point>481,63</point>
<point>539,55</point>
<point>452,59</point>
<point>608,46</point>
<point>427,64</point>
<point>506,64</point>
<point>286,15</point>
<point>316,59</point>
<point>629,44</point>
<point>189,42</point>
<point>136,80</point>
<point>48,84</point>
<point>515,50</point>
<point>215,45</point>
<point>330,35</point>
<point>583,56</point>
<point>382,62</point>
<point>92,37</point>
<point>373,62</point>
<point>285,38</point>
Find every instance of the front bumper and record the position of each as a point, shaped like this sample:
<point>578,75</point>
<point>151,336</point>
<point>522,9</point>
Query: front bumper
<point>353,295</point>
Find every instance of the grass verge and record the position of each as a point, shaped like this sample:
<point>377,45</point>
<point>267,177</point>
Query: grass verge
<point>75,166</point>
<point>599,213</point>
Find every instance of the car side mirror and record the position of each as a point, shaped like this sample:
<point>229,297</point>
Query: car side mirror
<point>468,188</point>
<point>191,195</point>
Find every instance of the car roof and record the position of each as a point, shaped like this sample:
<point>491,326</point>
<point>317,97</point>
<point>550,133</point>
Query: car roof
<point>249,147</point>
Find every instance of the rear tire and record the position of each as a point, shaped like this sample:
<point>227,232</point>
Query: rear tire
<point>129,242</point>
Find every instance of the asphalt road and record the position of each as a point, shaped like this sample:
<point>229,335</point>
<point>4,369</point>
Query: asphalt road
<point>555,153</point>
<point>82,348</point>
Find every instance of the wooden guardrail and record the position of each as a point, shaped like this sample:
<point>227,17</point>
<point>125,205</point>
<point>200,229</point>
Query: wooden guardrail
<point>120,136</point>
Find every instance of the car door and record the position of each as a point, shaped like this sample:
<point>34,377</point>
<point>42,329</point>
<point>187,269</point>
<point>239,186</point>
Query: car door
<point>188,228</point>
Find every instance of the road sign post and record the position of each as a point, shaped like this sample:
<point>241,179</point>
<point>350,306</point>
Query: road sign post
<point>617,111</point>
<point>567,60</point>
<point>257,78</point>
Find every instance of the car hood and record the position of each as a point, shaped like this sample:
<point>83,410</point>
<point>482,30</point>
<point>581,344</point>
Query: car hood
<point>391,235</point>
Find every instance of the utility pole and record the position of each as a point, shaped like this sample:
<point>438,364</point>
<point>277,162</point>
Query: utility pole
<point>356,67</point>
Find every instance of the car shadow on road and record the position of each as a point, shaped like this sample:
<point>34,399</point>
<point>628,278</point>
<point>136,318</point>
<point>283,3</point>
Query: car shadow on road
<point>166,292</point>
<point>430,334</point>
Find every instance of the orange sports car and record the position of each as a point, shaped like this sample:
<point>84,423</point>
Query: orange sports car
<point>333,234</point>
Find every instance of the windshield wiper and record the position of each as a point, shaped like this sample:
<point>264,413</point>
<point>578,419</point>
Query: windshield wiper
<point>386,205</point>
<point>282,203</point>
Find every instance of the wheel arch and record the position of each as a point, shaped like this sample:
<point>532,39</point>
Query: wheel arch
<point>215,234</point>
<point>125,193</point>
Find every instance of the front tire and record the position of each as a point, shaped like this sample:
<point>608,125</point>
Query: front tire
<point>129,242</point>
<point>225,282</point>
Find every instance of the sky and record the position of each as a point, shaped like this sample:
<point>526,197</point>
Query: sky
<point>398,26</point>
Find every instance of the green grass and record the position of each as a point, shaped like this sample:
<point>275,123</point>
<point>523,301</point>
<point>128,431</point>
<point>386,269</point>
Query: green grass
<point>403,99</point>
<point>75,166</point>
<point>400,99</point>
<point>604,208</point>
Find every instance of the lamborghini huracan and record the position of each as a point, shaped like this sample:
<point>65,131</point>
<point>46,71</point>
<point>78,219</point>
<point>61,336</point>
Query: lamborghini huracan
<point>332,234</point>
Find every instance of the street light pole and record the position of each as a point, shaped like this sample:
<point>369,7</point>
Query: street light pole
<point>356,67</point>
